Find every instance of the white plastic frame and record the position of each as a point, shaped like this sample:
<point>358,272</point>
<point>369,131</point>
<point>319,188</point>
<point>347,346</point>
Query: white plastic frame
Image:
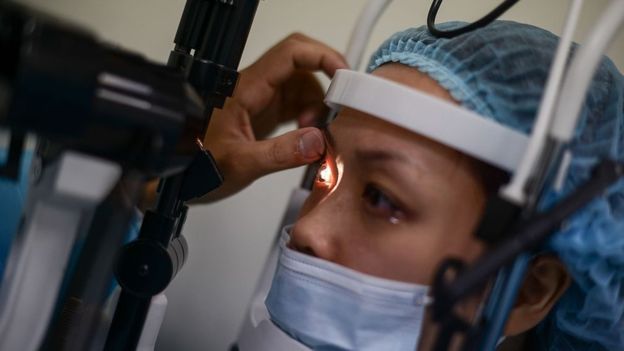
<point>454,126</point>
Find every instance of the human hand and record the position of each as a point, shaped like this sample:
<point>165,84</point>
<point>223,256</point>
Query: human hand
<point>277,88</point>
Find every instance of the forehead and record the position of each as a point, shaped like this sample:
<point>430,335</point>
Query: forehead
<point>354,131</point>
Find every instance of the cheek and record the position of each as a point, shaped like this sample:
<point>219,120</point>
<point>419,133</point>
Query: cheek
<point>452,233</point>
<point>413,254</point>
<point>445,230</point>
<point>464,214</point>
<point>404,255</point>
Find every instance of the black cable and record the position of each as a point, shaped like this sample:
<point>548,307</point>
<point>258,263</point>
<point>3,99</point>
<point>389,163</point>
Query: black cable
<point>482,22</point>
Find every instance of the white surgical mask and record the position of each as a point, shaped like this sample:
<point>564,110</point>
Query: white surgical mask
<point>329,307</point>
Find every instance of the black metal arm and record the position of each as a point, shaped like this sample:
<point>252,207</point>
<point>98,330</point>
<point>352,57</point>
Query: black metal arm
<point>209,45</point>
<point>529,235</point>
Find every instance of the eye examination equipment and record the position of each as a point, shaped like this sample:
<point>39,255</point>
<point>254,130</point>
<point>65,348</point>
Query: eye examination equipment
<point>105,121</point>
<point>512,222</point>
<point>209,45</point>
<point>519,227</point>
<point>61,85</point>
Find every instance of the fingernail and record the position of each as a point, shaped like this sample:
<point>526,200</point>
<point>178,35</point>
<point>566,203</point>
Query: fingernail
<point>311,145</point>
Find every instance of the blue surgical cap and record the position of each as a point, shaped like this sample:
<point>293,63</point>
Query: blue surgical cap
<point>500,72</point>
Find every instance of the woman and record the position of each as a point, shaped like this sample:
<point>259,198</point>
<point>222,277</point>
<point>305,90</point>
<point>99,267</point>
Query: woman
<point>404,202</point>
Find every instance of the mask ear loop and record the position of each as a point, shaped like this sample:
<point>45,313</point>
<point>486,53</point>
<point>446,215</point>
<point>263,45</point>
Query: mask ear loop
<point>482,22</point>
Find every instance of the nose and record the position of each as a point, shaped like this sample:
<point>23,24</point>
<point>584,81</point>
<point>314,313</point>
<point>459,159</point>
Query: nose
<point>316,231</point>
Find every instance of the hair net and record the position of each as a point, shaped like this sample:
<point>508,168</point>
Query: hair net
<point>500,72</point>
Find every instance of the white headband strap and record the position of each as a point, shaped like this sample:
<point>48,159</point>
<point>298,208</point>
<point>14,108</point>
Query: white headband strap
<point>456,127</point>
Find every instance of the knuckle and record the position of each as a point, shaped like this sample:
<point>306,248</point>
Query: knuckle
<point>235,169</point>
<point>296,36</point>
<point>290,46</point>
<point>275,154</point>
<point>293,41</point>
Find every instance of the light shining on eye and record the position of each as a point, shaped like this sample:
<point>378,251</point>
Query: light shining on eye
<point>324,174</point>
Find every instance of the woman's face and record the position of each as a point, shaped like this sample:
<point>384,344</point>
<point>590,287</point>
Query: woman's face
<point>388,202</point>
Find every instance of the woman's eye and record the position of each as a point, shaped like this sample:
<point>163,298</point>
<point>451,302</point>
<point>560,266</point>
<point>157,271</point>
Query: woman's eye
<point>381,204</point>
<point>324,174</point>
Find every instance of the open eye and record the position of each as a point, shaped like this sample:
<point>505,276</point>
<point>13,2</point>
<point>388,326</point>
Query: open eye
<point>324,174</point>
<point>381,204</point>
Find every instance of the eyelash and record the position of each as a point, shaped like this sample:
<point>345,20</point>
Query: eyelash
<point>381,204</point>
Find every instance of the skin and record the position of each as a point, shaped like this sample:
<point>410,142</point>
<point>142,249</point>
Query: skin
<point>413,185</point>
<point>396,204</point>
<point>278,88</point>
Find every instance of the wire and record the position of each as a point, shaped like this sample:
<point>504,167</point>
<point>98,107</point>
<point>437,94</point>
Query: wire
<point>482,22</point>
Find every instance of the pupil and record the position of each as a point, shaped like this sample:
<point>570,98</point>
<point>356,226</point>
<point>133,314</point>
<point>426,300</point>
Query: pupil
<point>324,174</point>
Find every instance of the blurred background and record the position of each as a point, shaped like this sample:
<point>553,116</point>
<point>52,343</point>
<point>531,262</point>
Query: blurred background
<point>229,240</point>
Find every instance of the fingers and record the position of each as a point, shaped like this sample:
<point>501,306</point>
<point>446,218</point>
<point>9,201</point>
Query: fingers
<point>296,148</point>
<point>286,70</point>
<point>302,99</point>
<point>295,52</point>
<point>312,116</point>
<point>279,86</point>
<point>310,54</point>
<point>242,163</point>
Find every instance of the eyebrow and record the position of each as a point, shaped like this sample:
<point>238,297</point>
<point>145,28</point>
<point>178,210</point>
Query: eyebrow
<point>375,155</point>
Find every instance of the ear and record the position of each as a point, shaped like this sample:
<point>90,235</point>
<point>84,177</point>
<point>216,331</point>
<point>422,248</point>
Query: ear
<point>545,281</point>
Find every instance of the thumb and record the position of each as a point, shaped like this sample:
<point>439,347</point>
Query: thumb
<point>296,148</point>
